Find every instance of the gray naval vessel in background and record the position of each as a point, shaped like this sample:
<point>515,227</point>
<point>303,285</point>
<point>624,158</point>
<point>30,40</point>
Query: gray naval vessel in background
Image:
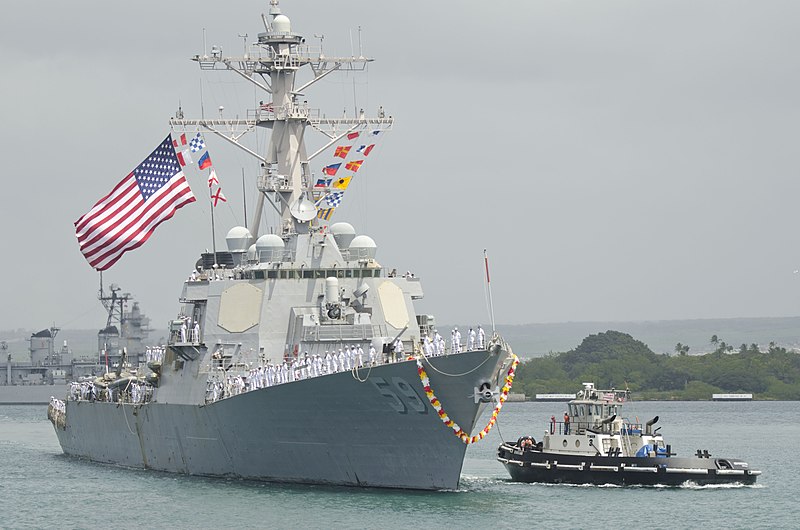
<point>263,376</point>
<point>48,368</point>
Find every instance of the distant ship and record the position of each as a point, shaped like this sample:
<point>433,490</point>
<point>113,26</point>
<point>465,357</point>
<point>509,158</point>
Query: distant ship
<point>48,367</point>
<point>595,444</point>
<point>296,356</point>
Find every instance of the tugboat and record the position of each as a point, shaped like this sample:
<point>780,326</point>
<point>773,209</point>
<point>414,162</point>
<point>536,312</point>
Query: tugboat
<point>596,445</point>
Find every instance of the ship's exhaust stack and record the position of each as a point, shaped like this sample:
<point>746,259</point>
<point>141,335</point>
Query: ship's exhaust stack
<point>649,425</point>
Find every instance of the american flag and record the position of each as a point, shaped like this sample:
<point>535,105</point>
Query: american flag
<point>125,218</point>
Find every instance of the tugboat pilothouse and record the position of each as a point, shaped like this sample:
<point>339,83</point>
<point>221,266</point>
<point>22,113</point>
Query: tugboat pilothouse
<point>594,444</point>
<point>296,356</point>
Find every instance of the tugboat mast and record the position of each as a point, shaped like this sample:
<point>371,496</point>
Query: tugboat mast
<point>271,65</point>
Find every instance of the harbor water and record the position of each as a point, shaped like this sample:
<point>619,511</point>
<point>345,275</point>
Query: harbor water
<point>42,488</point>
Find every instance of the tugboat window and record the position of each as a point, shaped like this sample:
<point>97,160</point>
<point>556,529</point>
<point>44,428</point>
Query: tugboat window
<point>577,443</point>
<point>564,443</point>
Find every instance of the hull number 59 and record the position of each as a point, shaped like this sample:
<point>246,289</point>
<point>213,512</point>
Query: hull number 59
<point>399,395</point>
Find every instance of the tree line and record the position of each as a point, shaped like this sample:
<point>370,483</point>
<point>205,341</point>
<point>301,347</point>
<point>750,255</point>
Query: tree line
<point>616,360</point>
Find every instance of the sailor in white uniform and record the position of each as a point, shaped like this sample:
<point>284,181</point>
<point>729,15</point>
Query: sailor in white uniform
<point>360,356</point>
<point>317,365</point>
<point>427,346</point>
<point>456,340</point>
<point>371,355</point>
<point>348,357</point>
<point>481,338</point>
<point>471,339</point>
<point>397,349</point>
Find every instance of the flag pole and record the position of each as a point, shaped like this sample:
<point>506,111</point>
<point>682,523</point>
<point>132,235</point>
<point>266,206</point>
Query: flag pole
<point>213,234</point>
<point>244,199</point>
<point>489,288</point>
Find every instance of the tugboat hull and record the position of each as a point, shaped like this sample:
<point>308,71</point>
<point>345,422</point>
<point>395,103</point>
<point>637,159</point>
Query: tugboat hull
<point>551,468</point>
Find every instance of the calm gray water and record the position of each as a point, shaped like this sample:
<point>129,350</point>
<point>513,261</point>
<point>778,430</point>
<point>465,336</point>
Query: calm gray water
<point>41,488</point>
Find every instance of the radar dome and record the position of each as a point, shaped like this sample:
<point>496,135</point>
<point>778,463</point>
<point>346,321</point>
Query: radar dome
<point>281,24</point>
<point>238,238</point>
<point>251,253</point>
<point>269,247</point>
<point>343,234</point>
<point>363,247</point>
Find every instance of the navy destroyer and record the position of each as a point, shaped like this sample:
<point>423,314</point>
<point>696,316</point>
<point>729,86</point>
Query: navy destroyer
<point>595,444</point>
<point>296,356</point>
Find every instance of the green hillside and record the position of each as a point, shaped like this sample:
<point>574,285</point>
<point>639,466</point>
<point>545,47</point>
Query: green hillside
<point>616,360</point>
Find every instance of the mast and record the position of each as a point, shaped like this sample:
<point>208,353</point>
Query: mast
<point>272,64</point>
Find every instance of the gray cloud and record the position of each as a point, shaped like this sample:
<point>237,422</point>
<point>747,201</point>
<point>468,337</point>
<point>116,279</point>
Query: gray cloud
<point>620,160</point>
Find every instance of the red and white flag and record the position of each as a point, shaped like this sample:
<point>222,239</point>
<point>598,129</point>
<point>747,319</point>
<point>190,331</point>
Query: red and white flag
<point>212,178</point>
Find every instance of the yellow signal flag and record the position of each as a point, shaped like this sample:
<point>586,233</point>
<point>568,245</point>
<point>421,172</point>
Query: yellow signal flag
<point>325,213</point>
<point>342,183</point>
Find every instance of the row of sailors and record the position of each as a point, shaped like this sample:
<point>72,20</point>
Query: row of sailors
<point>433,346</point>
<point>132,392</point>
<point>315,365</point>
<point>154,354</point>
<point>287,372</point>
<point>476,339</point>
<point>58,405</point>
<point>190,333</point>
<point>210,275</point>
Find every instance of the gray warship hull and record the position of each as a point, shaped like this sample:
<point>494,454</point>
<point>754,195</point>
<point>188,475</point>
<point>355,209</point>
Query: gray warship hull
<point>251,381</point>
<point>332,429</point>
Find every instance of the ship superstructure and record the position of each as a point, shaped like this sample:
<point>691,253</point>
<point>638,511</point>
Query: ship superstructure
<point>296,356</point>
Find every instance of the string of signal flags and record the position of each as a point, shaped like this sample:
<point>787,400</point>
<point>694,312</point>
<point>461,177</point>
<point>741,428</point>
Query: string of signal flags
<point>328,191</point>
<point>127,216</point>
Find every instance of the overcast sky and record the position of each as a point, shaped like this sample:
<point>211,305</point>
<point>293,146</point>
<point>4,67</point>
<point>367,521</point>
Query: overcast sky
<point>620,160</point>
